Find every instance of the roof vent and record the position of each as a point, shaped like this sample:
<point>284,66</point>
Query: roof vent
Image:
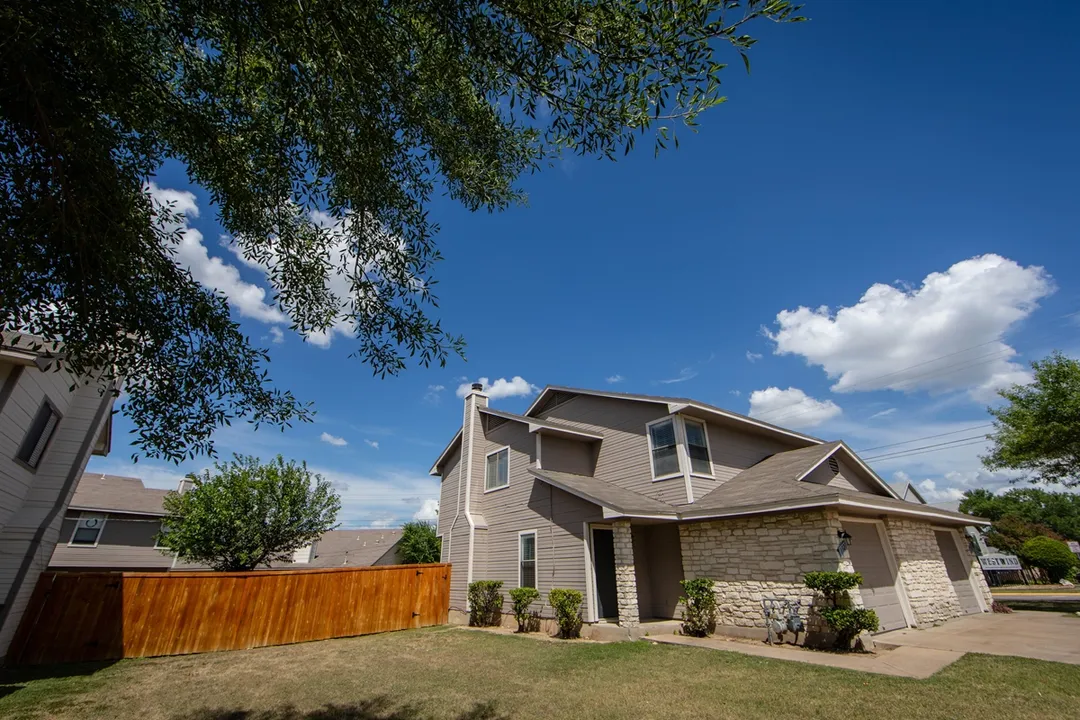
<point>834,466</point>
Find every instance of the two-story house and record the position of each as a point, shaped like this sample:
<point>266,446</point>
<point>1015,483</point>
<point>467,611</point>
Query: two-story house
<point>622,496</point>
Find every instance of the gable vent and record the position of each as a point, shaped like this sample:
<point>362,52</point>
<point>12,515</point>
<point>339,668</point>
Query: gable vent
<point>555,399</point>
<point>491,422</point>
<point>834,466</point>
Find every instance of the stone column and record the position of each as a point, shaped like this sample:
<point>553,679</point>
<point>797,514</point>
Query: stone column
<point>625,577</point>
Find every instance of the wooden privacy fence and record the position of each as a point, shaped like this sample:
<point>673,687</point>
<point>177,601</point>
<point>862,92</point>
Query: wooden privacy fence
<point>76,617</point>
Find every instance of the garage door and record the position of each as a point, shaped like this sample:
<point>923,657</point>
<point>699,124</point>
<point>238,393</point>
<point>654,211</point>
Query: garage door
<point>958,572</point>
<point>879,584</point>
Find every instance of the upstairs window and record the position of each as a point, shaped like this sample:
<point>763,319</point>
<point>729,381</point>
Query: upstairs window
<point>37,439</point>
<point>527,559</point>
<point>662,446</point>
<point>497,472</point>
<point>697,447</point>
<point>88,529</point>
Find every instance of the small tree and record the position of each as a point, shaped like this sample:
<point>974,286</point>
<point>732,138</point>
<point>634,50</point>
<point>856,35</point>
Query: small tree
<point>699,603</point>
<point>522,599</point>
<point>847,622</point>
<point>419,544</point>
<point>485,603</point>
<point>567,606</point>
<point>247,513</point>
<point>1053,556</point>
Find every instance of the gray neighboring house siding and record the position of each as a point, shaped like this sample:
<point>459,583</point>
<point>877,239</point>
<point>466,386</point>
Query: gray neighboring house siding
<point>768,511</point>
<point>33,501</point>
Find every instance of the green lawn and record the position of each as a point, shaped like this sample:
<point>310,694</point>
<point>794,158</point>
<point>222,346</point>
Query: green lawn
<point>450,673</point>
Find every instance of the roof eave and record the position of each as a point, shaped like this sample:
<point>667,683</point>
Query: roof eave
<point>445,454</point>
<point>841,501</point>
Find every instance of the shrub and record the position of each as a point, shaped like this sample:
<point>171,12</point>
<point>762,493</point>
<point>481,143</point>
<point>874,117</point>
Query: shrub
<point>1073,574</point>
<point>847,623</point>
<point>1000,607</point>
<point>522,598</point>
<point>832,584</point>
<point>566,603</point>
<point>1052,556</point>
<point>485,602</point>
<point>699,603</point>
<point>419,544</point>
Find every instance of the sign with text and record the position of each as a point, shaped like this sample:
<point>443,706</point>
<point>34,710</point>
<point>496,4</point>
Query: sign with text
<point>999,562</point>
<point>1074,546</point>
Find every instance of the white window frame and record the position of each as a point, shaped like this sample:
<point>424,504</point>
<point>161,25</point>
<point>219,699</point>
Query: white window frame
<point>708,448</point>
<point>505,448</point>
<point>161,529</point>
<point>442,549</point>
<point>536,559</point>
<point>648,436</point>
<point>101,530</point>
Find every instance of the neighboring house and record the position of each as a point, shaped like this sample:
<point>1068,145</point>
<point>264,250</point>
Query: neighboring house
<point>50,423</point>
<point>622,496</point>
<point>112,522</point>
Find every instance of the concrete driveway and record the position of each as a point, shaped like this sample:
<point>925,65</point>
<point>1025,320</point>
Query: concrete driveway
<point>1039,635</point>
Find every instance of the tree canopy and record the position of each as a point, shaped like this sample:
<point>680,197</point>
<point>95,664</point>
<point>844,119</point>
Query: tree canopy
<point>1058,511</point>
<point>248,513</point>
<point>1038,429</point>
<point>320,130</point>
<point>419,543</point>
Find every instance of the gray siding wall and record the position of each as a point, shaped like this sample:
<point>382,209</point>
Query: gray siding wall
<point>28,498</point>
<point>454,528</point>
<point>565,455</point>
<point>849,478</point>
<point>735,450</point>
<point>125,543</point>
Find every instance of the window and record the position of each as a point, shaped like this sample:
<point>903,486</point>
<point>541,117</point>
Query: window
<point>665,455</point>
<point>88,529</point>
<point>37,439</point>
<point>497,473</point>
<point>697,447</point>
<point>527,559</point>
<point>442,549</point>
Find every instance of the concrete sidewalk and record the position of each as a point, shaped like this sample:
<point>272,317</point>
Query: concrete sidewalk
<point>912,662</point>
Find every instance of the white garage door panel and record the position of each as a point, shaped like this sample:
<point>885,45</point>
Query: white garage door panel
<point>958,572</point>
<point>879,584</point>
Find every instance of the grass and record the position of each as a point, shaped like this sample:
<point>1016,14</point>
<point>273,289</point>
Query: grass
<point>448,673</point>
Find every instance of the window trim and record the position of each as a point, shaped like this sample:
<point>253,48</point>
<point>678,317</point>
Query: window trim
<point>45,402</point>
<point>496,452</point>
<point>101,530</point>
<point>652,461</point>
<point>536,559</point>
<point>442,549</point>
<point>708,448</point>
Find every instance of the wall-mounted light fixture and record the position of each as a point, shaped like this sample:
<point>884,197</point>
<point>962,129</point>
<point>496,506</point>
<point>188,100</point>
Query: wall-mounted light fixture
<point>845,541</point>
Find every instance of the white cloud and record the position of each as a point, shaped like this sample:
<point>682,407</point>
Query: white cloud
<point>428,512</point>
<point>380,499</point>
<point>333,440</point>
<point>791,408</point>
<point>372,443</point>
<point>211,272</point>
<point>687,373</point>
<point>736,393</point>
<point>612,379</point>
<point>276,336</point>
<point>944,335</point>
<point>434,394</point>
<point>501,388</point>
<point>753,356</point>
<point>386,521</point>
<point>882,413</point>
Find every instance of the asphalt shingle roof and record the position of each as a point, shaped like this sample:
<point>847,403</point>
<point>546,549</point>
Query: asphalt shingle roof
<point>116,493</point>
<point>604,493</point>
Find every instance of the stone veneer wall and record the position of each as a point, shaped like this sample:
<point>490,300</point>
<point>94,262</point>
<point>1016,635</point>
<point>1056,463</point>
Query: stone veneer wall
<point>625,574</point>
<point>762,556</point>
<point>926,581</point>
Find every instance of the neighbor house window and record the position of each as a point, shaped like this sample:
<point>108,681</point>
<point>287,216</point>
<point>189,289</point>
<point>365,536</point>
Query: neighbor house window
<point>527,559</point>
<point>665,454</point>
<point>88,529</point>
<point>37,439</point>
<point>497,474</point>
<point>697,447</point>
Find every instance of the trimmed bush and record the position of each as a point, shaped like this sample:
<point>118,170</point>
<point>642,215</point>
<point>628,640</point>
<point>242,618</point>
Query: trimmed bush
<point>1052,556</point>
<point>699,607</point>
<point>522,598</point>
<point>567,606</point>
<point>832,584</point>
<point>847,622</point>
<point>485,603</point>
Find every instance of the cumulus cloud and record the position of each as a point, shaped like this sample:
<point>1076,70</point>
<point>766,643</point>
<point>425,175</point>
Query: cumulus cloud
<point>791,408</point>
<point>211,272</point>
<point>372,443</point>
<point>882,413</point>
<point>428,512</point>
<point>333,440</point>
<point>276,336</point>
<point>944,335</point>
<point>753,356</point>
<point>517,386</point>
<point>433,395</point>
<point>612,379</point>
<point>385,521</point>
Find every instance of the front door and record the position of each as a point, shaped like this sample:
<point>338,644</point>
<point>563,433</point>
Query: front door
<point>603,542</point>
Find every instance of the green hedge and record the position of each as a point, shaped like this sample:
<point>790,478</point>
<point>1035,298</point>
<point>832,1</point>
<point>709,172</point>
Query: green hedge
<point>567,606</point>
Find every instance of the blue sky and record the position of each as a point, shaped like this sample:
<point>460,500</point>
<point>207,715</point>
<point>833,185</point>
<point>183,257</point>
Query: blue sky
<point>905,173</point>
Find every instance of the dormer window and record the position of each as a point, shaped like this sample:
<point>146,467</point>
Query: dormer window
<point>664,449</point>
<point>697,447</point>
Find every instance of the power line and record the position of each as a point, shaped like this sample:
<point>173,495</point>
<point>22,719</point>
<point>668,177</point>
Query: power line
<point>923,452</point>
<point>927,437</point>
<point>913,450</point>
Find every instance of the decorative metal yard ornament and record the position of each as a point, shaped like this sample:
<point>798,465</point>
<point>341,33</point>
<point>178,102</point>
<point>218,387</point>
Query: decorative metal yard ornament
<point>845,541</point>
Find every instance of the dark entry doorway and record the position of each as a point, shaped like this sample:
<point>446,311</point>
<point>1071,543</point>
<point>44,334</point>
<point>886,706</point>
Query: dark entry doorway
<point>603,542</point>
